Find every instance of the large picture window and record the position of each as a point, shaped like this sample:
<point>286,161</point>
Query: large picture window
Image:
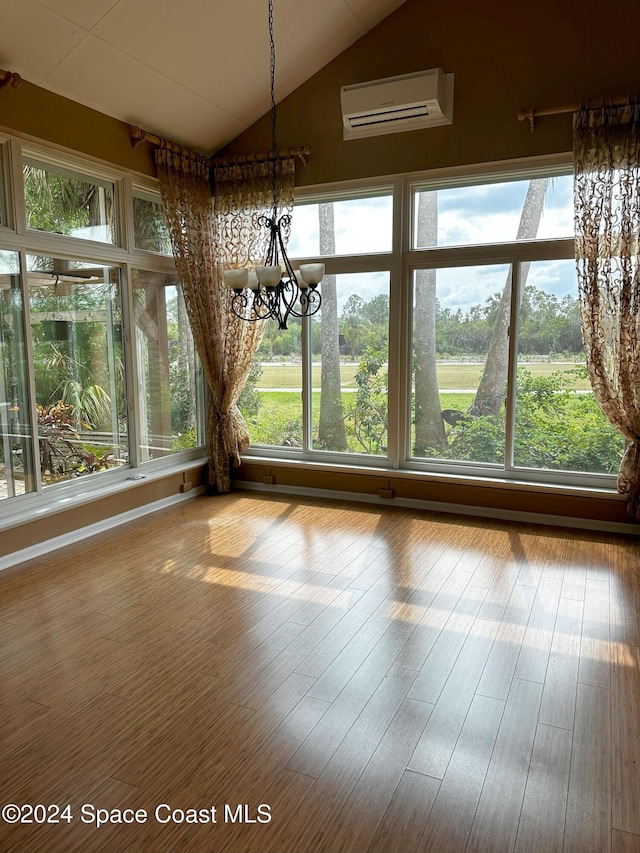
<point>98,374</point>
<point>484,352</point>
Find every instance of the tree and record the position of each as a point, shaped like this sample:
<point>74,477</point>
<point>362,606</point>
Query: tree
<point>429,426</point>
<point>351,322</point>
<point>332,434</point>
<point>491,389</point>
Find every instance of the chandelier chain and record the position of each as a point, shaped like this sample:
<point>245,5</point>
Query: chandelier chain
<point>272,69</point>
<point>276,291</point>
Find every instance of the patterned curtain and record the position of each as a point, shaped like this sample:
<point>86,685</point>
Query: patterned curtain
<point>207,235</point>
<point>607,225</point>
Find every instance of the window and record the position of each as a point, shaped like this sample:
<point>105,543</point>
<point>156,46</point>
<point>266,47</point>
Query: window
<point>350,366</point>
<point>78,365</point>
<point>500,212</point>
<point>98,374</point>
<point>17,474</point>
<point>149,224</point>
<point>456,323</point>
<point>558,424</point>
<point>499,376</point>
<point>167,390</point>
<point>343,226</point>
<point>63,202</point>
<point>320,386</point>
<point>485,347</point>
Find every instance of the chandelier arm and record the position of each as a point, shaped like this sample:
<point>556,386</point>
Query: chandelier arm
<point>310,303</point>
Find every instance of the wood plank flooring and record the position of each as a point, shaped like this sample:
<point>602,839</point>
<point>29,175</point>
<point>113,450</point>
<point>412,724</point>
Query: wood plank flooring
<point>331,678</point>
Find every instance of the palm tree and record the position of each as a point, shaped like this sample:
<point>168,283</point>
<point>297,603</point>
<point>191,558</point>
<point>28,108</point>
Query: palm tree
<point>332,434</point>
<point>491,390</point>
<point>429,426</point>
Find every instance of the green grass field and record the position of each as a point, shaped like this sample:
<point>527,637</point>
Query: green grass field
<point>280,417</point>
<point>450,375</point>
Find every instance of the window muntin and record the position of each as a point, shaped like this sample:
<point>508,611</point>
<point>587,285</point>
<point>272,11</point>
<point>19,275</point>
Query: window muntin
<point>17,474</point>
<point>167,395</point>
<point>149,224</point>
<point>351,226</point>
<point>58,201</point>
<point>76,327</point>
<point>493,213</point>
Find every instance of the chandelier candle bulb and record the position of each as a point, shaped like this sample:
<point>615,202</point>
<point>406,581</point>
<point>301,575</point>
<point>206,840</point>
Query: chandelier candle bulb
<point>236,279</point>
<point>312,274</point>
<point>269,276</point>
<point>302,284</point>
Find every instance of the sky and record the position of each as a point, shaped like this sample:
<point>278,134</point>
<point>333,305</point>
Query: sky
<point>469,215</point>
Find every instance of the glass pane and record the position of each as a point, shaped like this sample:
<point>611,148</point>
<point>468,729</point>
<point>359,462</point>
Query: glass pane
<point>271,401</point>
<point>17,474</point>
<point>76,324</point>
<point>61,202</point>
<point>149,224</point>
<point>346,227</point>
<point>166,366</point>
<point>460,357</point>
<point>495,213</point>
<point>350,351</point>
<point>559,425</point>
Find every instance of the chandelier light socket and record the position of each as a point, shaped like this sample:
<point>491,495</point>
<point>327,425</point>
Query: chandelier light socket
<point>269,276</point>
<point>312,274</point>
<point>236,279</point>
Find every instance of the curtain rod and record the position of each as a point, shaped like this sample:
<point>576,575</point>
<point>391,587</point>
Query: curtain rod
<point>260,157</point>
<point>9,78</point>
<point>533,113</point>
<point>139,135</point>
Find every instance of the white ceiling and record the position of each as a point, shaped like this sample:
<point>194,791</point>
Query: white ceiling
<point>195,71</point>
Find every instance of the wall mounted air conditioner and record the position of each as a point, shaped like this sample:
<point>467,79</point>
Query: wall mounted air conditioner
<point>394,104</point>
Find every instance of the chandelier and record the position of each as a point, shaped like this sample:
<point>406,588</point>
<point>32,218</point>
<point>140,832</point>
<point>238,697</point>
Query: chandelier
<point>275,291</point>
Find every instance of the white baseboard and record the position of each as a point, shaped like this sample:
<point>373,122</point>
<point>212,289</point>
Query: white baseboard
<point>17,558</point>
<point>454,509</point>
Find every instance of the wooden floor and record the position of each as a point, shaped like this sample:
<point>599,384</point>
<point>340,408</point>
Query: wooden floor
<point>370,680</point>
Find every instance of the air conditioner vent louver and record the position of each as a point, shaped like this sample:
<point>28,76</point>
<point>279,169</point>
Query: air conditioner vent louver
<point>394,104</point>
<point>391,115</point>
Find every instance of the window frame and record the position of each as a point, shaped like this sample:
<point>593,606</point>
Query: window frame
<point>123,255</point>
<point>402,262</point>
<point>386,262</point>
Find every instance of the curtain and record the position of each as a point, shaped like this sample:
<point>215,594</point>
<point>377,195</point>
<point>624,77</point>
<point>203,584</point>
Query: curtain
<point>207,235</point>
<point>607,227</point>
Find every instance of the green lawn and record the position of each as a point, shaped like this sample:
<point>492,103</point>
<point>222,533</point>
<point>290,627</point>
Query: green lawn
<point>450,375</point>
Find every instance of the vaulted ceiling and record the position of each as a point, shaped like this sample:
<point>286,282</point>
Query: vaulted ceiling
<point>195,71</point>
